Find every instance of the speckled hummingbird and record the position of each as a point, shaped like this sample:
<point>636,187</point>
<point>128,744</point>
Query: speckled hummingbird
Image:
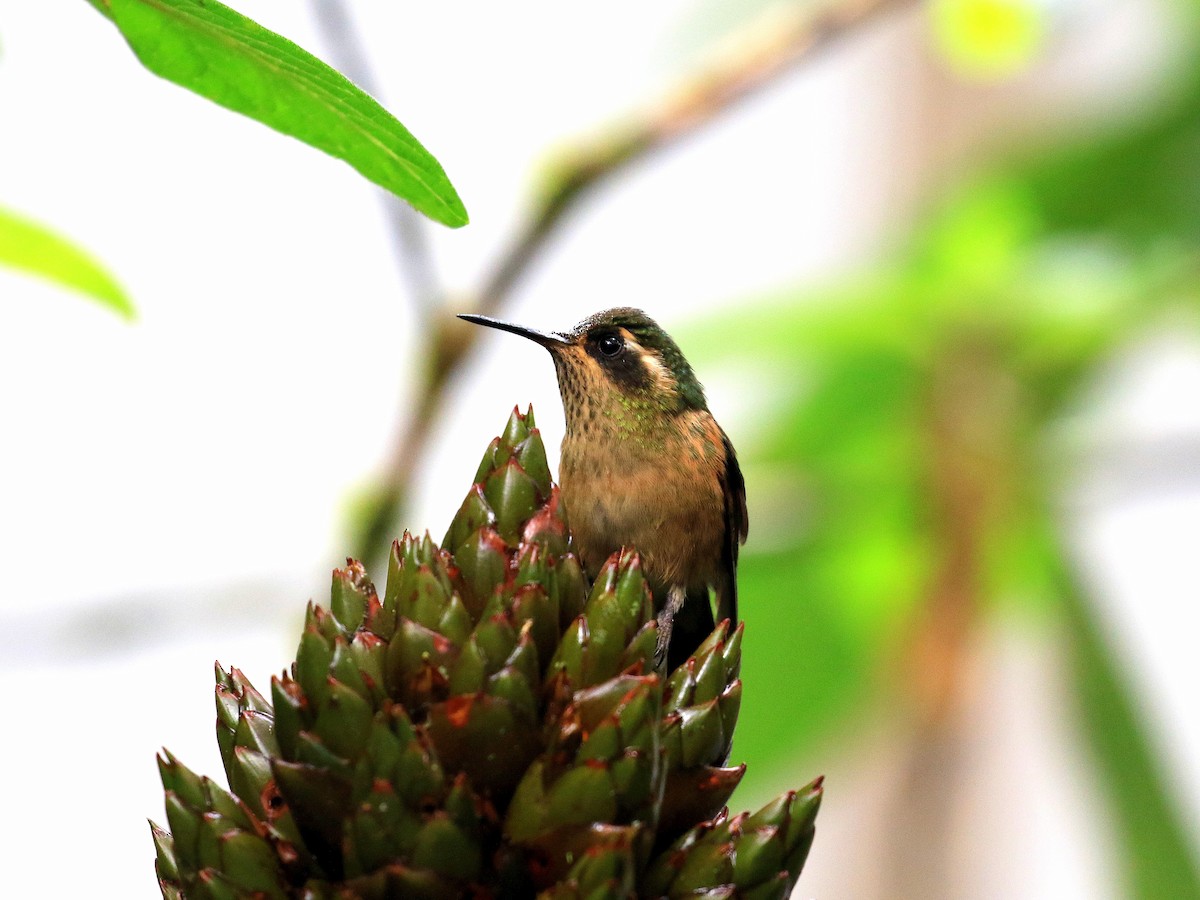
<point>645,465</point>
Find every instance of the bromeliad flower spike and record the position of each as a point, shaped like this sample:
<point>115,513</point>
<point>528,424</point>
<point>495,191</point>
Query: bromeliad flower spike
<point>492,726</point>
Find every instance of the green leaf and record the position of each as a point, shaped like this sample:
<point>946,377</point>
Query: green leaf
<point>33,248</point>
<point>220,54</point>
<point>1158,861</point>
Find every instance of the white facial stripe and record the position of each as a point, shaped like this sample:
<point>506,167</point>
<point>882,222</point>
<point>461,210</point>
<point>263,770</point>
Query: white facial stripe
<point>660,374</point>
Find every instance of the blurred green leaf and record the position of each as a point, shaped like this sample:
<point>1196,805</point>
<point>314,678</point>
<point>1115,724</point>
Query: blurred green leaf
<point>1158,859</point>
<point>1136,184</point>
<point>799,641</point>
<point>235,62</point>
<point>976,239</point>
<point>836,495</point>
<point>34,248</point>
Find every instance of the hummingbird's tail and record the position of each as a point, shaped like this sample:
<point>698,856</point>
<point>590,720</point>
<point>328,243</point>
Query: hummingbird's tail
<point>690,625</point>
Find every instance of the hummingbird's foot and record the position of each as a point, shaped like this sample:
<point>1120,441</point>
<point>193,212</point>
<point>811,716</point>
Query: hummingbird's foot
<point>676,595</point>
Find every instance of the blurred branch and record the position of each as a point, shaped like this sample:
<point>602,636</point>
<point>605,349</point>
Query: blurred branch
<point>968,451</point>
<point>408,227</point>
<point>754,59</point>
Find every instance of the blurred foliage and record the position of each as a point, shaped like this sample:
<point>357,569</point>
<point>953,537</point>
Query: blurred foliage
<point>28,246</point>
<point>921,400</point>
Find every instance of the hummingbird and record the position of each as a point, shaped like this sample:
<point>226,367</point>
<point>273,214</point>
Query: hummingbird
<point>644,464</point>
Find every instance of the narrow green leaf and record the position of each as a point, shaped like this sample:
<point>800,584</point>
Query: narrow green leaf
<point>33,248</point>
<point>1157,859</point>
<point>225,57</point>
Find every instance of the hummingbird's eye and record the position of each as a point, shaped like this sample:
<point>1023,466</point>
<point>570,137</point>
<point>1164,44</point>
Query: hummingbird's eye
<point>611,344</point>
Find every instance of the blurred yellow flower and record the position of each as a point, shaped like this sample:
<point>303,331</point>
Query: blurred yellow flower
<point>988,39</point>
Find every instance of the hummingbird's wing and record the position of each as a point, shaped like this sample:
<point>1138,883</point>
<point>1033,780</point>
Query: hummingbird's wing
<point>737,525</point>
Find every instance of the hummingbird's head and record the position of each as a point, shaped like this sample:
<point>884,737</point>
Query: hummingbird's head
<point>615,359</point>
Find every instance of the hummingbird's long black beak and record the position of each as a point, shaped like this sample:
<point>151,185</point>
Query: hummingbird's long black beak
<point>549,341</point>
